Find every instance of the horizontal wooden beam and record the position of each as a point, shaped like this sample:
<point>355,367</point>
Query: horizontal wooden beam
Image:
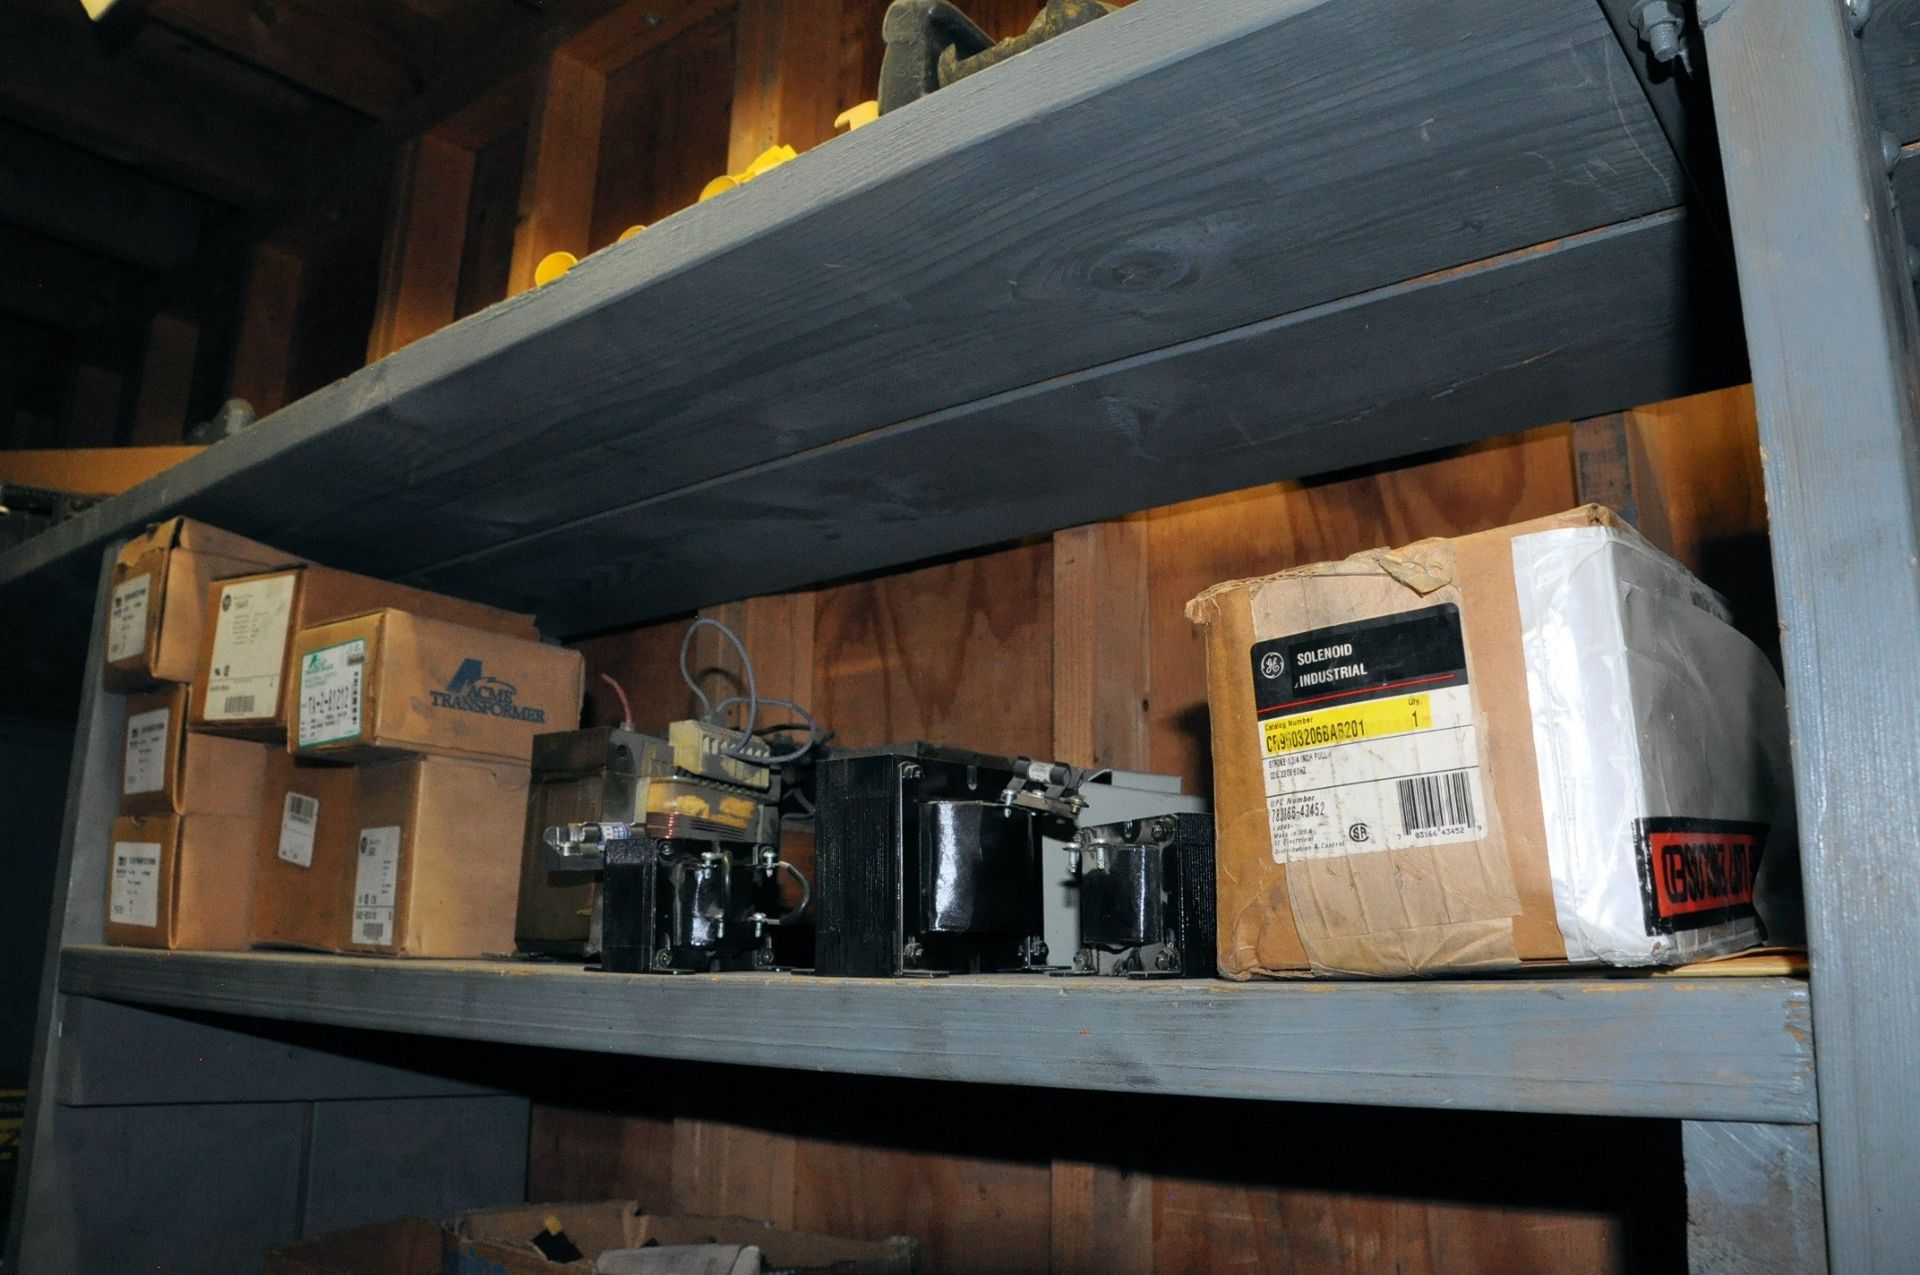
<point>67,193</point>
<point>323,47</point>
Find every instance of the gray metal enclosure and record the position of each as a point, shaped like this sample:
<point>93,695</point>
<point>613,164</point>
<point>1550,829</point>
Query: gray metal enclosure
<point>1424,223</point>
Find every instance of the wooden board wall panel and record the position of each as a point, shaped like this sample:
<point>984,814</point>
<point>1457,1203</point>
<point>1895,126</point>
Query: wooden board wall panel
<point>959,653</point>
<point>426,230</point>
<point>264,344</point>
<point>584,1154</point>
<point>562,155</point>
<point>645,661</point>
<point>46,282</point>
<point>733,1170</point>
<point>493,206</point>
<point>96,399</point>
<point>665,131</point>
<point>639,27</point>
<point>165,393</point>
<point>969,1212</point>
<point>1194,546</point>
<point>780,96</point>
<point>1102,666</point>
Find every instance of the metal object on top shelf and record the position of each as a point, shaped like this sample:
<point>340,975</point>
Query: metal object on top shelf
<point>931,44</point>
<point>27,511</point>
<point>930,859</point>
<point>1146,897</point>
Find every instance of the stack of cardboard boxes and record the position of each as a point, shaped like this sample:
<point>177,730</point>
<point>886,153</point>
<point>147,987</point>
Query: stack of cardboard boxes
<point>316,759</point>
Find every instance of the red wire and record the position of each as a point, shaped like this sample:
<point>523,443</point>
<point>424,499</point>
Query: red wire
<point>626,709</point>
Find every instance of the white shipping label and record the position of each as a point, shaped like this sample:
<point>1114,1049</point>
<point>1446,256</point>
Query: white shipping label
<point>249,649</point>
<point>127,618</point>
<point>146,766</point>
<point>330,689</point>
<point>299,815</point>
<point>135,898</point>
<point>1367,735</point>
<point>375,883</point>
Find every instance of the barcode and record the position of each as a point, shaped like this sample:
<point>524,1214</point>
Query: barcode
<point>1436,801</point>
<point>238,706</point>
<point>372,932</point>
<point>302,809</point>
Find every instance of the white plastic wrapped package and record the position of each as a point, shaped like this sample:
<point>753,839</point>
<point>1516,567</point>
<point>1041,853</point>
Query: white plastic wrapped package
<point>1661,738</point>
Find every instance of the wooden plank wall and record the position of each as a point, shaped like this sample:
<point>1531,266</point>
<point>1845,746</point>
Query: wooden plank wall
<point>977,652</point>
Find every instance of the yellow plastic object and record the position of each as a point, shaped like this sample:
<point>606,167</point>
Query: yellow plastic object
<point>629,233</point>
<point>552,266</point>
<point>769,159</point>
<point>857,116</point>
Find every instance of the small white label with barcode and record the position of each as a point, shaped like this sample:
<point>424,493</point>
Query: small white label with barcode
<point>299,815</point>
<point>330,687</point>
<point>375,883</point>
<point>135,898</point>
<point>127,617</point>
<point>146,766</point>
<point>249,649</point>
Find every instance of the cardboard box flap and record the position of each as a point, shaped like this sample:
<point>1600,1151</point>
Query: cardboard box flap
<point>504,1235</point>
<point>1412,565</point>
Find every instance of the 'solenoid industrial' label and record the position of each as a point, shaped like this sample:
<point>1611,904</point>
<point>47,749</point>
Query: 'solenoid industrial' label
<point>330,687</point>
<point>249,649</point>
<point>1368,737</point>
<point>375,882</point>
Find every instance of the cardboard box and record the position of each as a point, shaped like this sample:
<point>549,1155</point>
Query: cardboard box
<point>243,685</point>
<point>166,768</point>
<point>180,882</point>
<point>498,1240</point>
<point>406,1246</point>
<point>304,854</point>
<point>156,610</point>
<point>437,857</point>
<point>1539,743</point>
<point>391,683</point>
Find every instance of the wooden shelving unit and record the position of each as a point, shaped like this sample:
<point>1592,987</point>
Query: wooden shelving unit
<point>1059,292</point>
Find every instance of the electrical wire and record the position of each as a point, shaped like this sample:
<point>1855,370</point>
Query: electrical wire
<point>716,713</point>
<point>813,727</point>
<point>626,709</point>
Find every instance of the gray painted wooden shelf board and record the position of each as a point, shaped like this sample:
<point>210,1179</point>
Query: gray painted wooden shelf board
<point>1699,1048</point>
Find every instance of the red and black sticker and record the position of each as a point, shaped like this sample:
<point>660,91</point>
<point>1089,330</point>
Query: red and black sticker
<point>1696,872</point>
<point>1369,659</point>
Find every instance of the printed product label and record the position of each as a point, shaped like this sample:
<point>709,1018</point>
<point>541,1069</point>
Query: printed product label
<point>1368,738</point>
<point>374,883</point>
<point>330,686</point>
<point>146,768</point>
<point>249,649</point>
<point>1696,872</point>
<point>298,816</point>
<point>127,618</point>
<point>135,898</point>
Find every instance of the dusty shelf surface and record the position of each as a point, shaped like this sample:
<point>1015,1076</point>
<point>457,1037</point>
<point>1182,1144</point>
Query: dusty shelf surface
<point>1696,1048</point>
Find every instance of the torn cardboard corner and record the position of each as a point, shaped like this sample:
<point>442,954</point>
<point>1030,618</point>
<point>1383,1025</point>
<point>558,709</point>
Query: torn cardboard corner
<point>1393,798</point>
<point>156,605</point>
